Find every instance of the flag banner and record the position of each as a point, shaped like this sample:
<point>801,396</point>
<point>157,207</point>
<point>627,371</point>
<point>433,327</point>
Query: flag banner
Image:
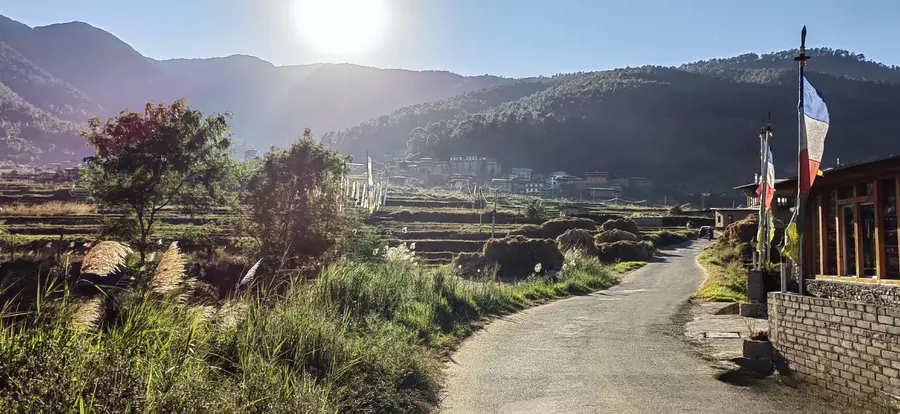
<point>792,240</point>
<point>387,183</point>
<point>369,171</point>
<point>815,121</point>
<point>769,189</point>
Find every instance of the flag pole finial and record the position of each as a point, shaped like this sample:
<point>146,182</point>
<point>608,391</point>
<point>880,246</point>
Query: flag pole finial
<point>802,57</point>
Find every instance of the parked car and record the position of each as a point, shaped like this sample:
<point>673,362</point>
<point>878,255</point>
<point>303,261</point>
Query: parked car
<point>706,232</point>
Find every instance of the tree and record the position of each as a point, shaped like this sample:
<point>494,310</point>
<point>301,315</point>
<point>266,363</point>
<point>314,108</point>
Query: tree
<point>167,155</point>
<point>294,204</point>
<point>536,210</point>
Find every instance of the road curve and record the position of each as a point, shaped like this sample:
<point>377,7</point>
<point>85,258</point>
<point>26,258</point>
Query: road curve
<point>609,352</point>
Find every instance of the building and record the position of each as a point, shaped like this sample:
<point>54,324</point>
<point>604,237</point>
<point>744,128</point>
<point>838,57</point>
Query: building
<point>473,165</point>
<point>503,185</point>
<point>727,216</point>
<point>531,187</point>
<point>604,193</point>
<point>843,328</point>
<point>596,179</point>
<point>558,178</point>
<point>572,210</point>
<point>357,168</point>
<point>522,173</point>
<point>642,184</point>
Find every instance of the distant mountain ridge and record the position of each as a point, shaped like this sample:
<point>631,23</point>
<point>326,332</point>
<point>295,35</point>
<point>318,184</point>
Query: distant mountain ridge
<point>74,71</point>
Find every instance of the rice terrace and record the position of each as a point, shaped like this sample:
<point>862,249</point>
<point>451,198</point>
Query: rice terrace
<point>254,208</point>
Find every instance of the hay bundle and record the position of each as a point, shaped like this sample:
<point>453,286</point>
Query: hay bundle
<point>105,258</point>
<point>622,224</point>
<point>576,239</point>
<point>516,257</point>
<point>625,251</point>
<point>552,229</point>
<point>743,231</point>
<point>470,265</point>
<point>614,235</point>
<point>169,275</point>
<point>529,230</point>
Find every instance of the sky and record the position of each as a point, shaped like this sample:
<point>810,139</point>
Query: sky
<point>514,38</point>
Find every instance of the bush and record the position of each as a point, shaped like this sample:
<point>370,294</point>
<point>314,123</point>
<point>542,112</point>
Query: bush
<point>577,239</point>
<point>516,257</point>
<point>554,228</point>
<point>623,224</point>
<point>614,235</point>
<point>626,251</point>
<point>536,210</point>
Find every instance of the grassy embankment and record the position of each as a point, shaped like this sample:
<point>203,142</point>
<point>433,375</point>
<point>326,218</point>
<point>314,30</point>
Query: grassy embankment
<point>726,277</point>
<point>359,338</point>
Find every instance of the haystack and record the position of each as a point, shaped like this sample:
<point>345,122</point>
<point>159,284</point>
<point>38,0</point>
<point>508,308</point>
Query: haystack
<point>614,235</point>
<point>517,256</point>
<point>622,224</point>
<point>626,251</point>
<point>743,231</point>
<point>552,229</point>
<point>470,265</point>
<point>529,230</point>
<point>577,239</point>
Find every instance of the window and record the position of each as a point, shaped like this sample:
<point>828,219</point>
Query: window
<point>889,224</point>
<point>730,219</point>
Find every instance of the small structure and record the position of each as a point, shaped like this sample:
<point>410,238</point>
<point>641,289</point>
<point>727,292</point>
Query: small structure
<point>727,216</point>
<point>521,173</point>
<point>596,179</point>
<point>503,185</point>
<point>605,193</point>
<point>534,186</point>
<point>474,165</point>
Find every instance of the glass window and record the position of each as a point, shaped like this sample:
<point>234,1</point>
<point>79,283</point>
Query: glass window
<point>889,213</point>
<point>848,245</point>
<point>831,234</point>
<point>867,233</point>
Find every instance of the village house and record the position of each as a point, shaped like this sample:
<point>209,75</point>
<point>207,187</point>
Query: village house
<point>842,331</point>
<point>728,216</point>
<point>604,193</point>
<point>520,173</point>
<point>472,165</point>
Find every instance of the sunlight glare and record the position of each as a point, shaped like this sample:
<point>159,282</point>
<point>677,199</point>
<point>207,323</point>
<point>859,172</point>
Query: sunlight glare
<point>341,27</point>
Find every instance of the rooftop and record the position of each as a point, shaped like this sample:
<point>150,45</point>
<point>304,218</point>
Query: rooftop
<point>825,172</point>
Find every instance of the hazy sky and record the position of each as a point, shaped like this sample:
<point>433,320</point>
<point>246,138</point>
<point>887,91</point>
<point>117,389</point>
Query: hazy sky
<point>502,37</point>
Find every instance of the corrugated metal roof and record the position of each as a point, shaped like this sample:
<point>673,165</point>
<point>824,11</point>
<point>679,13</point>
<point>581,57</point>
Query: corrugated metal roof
<point>827,170</point>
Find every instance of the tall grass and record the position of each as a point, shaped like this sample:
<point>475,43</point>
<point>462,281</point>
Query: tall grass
<point>50,208</point>
<point>726,277</point>
<point>359,338</point>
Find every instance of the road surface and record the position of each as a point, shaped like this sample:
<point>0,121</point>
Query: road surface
<point>616,351</point>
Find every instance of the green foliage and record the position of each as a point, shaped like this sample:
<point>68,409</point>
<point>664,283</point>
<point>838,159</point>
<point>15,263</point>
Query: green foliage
<point>536,210</point>
<point>165,155</point>
<point>360,338</point>
<point>726,277</point>
<point>625,267</point>
<point>294,202</point>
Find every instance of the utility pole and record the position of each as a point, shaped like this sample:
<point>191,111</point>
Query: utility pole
<point>494,215</point>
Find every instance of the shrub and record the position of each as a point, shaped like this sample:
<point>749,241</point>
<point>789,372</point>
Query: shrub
<point>577,239</point>
<point>623,224</point>
<point>554,228</point>
<point>614,235</point>
<point>626,251</point>
<point>536,210</point>
<point>515,257</point>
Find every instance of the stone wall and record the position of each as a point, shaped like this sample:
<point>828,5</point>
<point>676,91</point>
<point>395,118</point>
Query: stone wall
<point>871,293</point>
<point>848,350</point>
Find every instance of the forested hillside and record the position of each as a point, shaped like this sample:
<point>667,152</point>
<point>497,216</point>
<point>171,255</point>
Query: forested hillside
<point>27,133</point>
<point>74,71</point>
<point>692,127</point>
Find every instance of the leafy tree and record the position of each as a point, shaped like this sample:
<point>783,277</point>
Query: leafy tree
<point>167,155</point>
<point>536,210</point>
<point>294,204</point>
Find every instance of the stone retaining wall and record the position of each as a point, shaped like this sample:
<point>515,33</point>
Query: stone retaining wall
<point>871,293</point>
<point>849,350</point>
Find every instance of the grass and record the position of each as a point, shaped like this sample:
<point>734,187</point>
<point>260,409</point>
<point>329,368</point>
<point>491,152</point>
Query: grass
<point>726,277</point>
<point>362,337</point>
<point>625,267</point>
<point>49,208</point>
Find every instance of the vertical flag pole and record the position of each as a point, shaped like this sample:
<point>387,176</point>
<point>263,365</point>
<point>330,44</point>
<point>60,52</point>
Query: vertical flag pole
<point>762,205</point>
<point>801,60</point>
<point>767,131</point>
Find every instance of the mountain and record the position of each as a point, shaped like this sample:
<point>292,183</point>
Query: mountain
<point>692,127</point>
<point>74,70</point>
<point>27,132</point>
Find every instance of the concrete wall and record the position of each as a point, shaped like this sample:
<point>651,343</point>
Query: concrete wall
<point>850,351</point>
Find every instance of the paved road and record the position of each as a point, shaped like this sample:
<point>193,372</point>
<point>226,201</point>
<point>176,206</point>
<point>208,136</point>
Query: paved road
<point>610,352</point>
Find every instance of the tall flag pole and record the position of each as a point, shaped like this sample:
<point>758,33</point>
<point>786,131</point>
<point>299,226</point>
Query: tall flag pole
<point>765,193</point>
<point>813,121</point>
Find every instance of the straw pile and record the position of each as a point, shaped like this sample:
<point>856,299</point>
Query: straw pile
<point>743,231</point>
<point>517,256</point>
<point>626,251</point>
<point>614,235</point>
<point>552,229</point>
<point>577,239</point>
<point>621,224</point>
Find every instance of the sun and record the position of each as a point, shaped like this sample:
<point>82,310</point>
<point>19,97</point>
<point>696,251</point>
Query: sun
<point>341,27</point>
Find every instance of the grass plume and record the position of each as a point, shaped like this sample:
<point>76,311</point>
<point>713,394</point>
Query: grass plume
<point>105,258</point>
<point>169,275</point>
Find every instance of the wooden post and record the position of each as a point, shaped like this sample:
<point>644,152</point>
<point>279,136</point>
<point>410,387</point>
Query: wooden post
<point>823,237</point>
<point>839,235</point>
<point>880,263</point>
<point>857,232</point>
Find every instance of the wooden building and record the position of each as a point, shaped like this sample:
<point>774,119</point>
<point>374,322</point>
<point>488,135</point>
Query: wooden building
<point>852,231</point>
<point>728,216</point>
